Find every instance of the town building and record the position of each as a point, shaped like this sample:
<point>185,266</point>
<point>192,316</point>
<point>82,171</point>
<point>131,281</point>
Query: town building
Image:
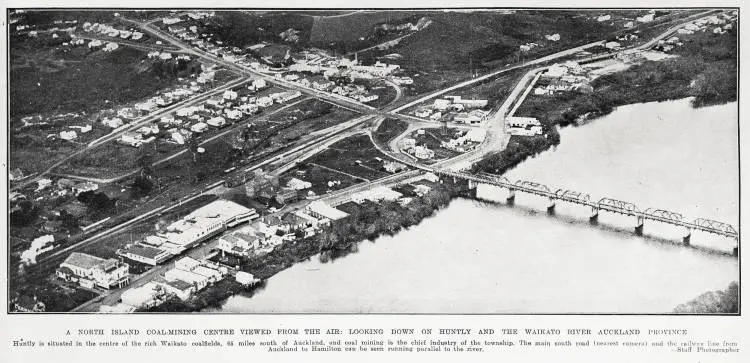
<point>144,253</point>
<point>90,271</point>
<point>320,209</point>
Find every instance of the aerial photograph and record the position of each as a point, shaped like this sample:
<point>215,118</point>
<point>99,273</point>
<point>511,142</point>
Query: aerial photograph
<point>381,161</point>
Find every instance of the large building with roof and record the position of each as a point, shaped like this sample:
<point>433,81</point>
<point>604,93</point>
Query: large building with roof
<point>91,271</point>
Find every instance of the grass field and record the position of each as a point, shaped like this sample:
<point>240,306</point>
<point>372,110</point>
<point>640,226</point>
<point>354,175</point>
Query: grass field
<point>352,156</point>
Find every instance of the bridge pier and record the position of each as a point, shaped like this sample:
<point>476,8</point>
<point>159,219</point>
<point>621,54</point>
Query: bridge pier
<point>511,196</point>
<point>551,205</point>
<point>639,225</point>
<point>594,215</point>
<point>686,236</point>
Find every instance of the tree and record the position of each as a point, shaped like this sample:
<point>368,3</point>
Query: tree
<point>69,221</point>
<point>142,186</point>
<point>96,201</point>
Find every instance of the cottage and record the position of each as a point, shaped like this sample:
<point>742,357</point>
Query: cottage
<point>298,184</point>
<point>217,121</point>
<point>199,127</point>
<point>441,105</point>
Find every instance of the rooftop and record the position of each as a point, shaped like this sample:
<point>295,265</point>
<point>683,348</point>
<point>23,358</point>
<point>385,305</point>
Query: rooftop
<point>83,260</point>
<point>144,251</point>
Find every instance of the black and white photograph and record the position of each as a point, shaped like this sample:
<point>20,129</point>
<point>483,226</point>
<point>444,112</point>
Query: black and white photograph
<point>413,161</point>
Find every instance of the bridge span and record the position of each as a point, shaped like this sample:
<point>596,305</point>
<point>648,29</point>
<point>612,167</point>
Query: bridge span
<point>597,206</point>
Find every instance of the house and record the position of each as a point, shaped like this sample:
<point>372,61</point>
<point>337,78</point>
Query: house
<point>296,222</point>
<point>524,126</point>
<point>229,95</point>
<point>90,271</point>
<point>217,121</point>
<point>245,278</point>
<point>298,184</point>
<point>436,116</point>
<point>556,71</point>
<point>552,37</point>
<point>265,101</point>
<point>376,195</point>
<point>286,195</point>
<point>143,297</point>
<point>187,263</point>
<point>68,135</point>
<point>259,83</point>
<point>423,112</point>
<point>407,143</point>
<point>199,127</point>
<point>612,45</point>
<point>27,304</point>
<point>199,281</point>
<point>180,289</point>
<point>422,152</point>
<point>393,166</point>
<point>239,243</point>
<point>133,139</point>
<point>112,122</point>
<point>233,114</point>
<point>470,103</point>
<point>86,186</point>
<point>145,254</point>
<point>441,105</point>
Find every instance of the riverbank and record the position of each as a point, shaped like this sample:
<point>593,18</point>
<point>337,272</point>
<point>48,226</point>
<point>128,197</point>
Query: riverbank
<point>366,222</point>
<point>705,69</point>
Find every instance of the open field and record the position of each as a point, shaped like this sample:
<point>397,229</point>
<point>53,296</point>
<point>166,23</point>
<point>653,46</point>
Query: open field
<point>389,129</point>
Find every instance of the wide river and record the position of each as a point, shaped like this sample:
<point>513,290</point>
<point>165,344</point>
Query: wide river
<point>477,257</point>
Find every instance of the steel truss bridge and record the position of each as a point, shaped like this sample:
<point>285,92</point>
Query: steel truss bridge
<point>603,204</point>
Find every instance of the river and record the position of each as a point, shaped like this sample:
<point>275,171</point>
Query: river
<point>478,257</point>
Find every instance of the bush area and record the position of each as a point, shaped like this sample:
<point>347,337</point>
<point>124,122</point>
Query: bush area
<point>248,28</point>
<point>46,78</point>
<point>705,69</point>
<point>519,149</point>
<point>713,302</point>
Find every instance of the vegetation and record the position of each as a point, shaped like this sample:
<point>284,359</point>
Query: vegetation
<point>63,79</point>
<point>389,129</point>
<point>713,302</point>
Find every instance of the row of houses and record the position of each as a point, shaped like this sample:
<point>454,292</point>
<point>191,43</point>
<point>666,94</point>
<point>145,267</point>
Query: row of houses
<point>111,31</point>
<point>187,277</point>
<point>266,233</point>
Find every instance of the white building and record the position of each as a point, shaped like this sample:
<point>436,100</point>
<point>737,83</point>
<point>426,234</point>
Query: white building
<point>217,121</point>
<point>298,184</point>
<point>90,271</point>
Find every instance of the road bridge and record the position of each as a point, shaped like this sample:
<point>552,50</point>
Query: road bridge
<point>605,204</point>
